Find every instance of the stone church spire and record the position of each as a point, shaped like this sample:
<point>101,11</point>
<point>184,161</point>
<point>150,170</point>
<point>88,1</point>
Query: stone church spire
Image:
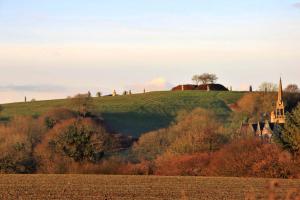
<point>278,115</point>
<point>280,91</point>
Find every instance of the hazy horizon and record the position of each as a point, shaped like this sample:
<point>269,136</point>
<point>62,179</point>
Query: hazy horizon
<point>54,49</point>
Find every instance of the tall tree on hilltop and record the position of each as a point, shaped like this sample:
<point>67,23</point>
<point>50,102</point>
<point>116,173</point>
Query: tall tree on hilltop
<point>195,78</point>
<point>205,78</point>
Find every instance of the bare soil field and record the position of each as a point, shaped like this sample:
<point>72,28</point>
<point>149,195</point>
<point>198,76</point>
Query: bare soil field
<point>140,187</point>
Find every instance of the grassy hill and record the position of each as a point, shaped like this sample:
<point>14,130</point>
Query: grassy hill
<point>138,113</point>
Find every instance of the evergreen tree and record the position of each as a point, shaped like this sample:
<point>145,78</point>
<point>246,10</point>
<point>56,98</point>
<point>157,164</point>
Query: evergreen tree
<point>290,138</point>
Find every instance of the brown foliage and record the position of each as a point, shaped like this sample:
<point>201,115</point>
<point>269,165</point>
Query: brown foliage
<point>255,105</point>
<point>72,144</point>
<point>83,104</point>
<point>17,140</point>
<point>254,158</point>
<point>182,165</point>
<point>142,168</point>
<point>54,116</point>
<point>197,131</point>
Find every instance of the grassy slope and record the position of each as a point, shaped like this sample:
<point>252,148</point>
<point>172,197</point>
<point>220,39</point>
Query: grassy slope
<point>137,113</point>
<point>139,187</point>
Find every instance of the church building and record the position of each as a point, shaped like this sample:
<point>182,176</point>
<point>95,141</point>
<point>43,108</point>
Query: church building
<point>278,115</point>
<point>266,129</point>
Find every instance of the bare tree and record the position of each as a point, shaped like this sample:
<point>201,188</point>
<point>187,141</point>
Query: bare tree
<point>293,88</point>
<point>196,79</point>
<point>268,87</point>
<point>205,78</point>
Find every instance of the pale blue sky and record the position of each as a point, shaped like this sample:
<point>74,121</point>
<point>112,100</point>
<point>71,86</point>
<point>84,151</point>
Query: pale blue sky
<point>55,48</point>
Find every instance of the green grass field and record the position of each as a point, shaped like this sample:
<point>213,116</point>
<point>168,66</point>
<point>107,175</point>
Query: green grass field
<point>139,187</point>
<point>138,113</point>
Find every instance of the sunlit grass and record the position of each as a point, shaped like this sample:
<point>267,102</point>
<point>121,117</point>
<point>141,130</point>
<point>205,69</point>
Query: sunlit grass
<point>137,113</point>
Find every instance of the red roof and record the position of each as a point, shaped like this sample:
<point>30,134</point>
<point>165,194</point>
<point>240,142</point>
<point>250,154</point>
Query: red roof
<point>212,87</point>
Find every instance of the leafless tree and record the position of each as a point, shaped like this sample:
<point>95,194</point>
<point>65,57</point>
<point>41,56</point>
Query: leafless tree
<point>196,79</point>
<point>205,78</point>
<point>268,87</point>
<point>293,88</point>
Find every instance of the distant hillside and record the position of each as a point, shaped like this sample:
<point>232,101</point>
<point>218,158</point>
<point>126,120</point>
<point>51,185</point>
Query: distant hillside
<point>138,113</point>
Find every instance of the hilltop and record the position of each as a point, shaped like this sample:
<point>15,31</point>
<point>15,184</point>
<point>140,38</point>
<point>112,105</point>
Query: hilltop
<point>138,113</point>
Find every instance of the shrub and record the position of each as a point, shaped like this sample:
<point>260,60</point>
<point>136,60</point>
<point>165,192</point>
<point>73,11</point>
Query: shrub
<point>182,165</point>
<point>54,116</point>
<point>70,142</point>
<point>152,144</point>
<point>198,131</point>
<point>83,104</point>
<point>142,168</point>
<point>17,140</point>
<point>256,105</point>
<point>254,158</point>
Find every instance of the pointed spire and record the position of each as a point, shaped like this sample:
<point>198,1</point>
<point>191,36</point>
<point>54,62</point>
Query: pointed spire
<point>280,91</point>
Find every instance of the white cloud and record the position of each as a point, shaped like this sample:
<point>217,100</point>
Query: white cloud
<point>296,5</point>
<point>156,84</point>
<point>33,88</point>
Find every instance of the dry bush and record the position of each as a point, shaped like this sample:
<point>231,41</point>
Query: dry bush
<point>142,168</point>
<point>182,165</point>
<point>73,144</point>
<point>17,140</point>
<point>110,165</point>
<point>54,116</point>
<point>252,157</point>
<point>83,104</point>
<point>255,105</point>
<point>198,131</point>
<point>152,144</point>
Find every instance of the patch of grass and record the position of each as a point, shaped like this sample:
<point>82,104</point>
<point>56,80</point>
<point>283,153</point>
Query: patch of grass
<point>138,113</point>
<point>140,187</point>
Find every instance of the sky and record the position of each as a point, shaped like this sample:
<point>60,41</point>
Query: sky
<point>58,48</point>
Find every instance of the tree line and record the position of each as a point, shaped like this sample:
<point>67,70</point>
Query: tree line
<point>198,142</point>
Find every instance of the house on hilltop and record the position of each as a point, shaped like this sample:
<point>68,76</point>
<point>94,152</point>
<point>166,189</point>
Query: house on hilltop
<point>203,87</point>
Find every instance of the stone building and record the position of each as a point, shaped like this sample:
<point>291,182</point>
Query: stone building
<point>267,128</point>
<point>278,115</point>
